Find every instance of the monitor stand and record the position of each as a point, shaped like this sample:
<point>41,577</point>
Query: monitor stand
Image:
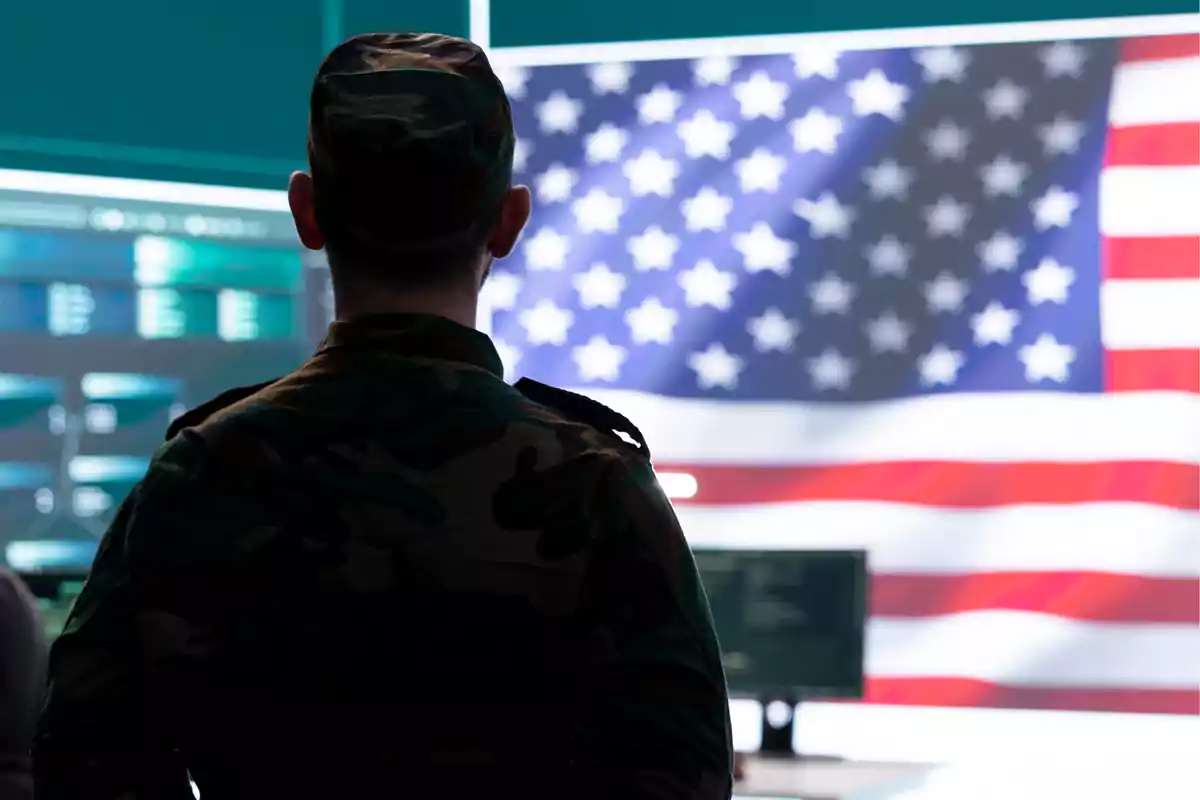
<point>779,727</point>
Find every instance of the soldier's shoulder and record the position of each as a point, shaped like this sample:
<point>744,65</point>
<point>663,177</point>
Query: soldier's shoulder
<point>584,416</point>
<point>227,441</point>
<point>225,403</point>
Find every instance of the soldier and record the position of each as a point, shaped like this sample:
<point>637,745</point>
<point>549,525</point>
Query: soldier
<point>390,573</point>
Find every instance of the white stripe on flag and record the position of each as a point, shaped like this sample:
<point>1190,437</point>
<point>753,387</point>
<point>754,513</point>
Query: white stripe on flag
<point>1033,426</point>
<point>1122,538</point>
<point>1150,201</point>
<point>1029,649</point>
<point>1026,742</point>
<point>1149,314</point>
<point>1155,92</point>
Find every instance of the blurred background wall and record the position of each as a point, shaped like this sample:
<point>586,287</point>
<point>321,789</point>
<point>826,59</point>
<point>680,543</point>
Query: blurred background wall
<point>214,91</point>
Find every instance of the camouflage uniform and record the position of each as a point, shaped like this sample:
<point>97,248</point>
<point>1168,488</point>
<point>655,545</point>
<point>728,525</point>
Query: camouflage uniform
<point>390,573</point>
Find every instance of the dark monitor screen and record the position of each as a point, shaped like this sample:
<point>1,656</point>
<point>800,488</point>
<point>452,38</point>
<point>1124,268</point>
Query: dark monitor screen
<point>789,622</point>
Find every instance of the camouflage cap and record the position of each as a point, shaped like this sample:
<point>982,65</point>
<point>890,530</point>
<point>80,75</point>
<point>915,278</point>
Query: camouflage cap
<point>410,139</point>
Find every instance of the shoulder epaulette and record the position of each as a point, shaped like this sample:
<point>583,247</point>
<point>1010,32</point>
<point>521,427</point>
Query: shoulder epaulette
<point>583,409</point>
<point>195,416</point>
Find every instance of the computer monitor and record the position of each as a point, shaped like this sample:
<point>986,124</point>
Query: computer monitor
<point>122,303</point>
<point>792,626</point>
<point>791,623</point>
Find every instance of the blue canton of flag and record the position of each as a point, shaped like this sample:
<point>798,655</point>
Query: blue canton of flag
<point>818,226</point>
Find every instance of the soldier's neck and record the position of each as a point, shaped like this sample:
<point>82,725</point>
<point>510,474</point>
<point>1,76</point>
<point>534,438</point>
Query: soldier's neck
<point>457,305</point>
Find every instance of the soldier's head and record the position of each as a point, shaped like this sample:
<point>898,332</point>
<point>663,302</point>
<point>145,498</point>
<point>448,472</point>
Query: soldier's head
<point>410,147</point>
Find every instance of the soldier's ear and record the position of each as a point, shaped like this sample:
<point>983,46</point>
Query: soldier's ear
<point>300,199</point>
<point>513,216</point>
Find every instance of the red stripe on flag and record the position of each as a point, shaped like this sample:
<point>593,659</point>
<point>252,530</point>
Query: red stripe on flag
<point>1175,144</point>
<point>950,484</point>
<point>1152,370</point>
<point>1148,257</point>
<point>967,692</point>
<point>1094,596</point>
<point>1159,48</point>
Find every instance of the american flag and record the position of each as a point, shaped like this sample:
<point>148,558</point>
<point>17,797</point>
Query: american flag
<point>940,303</point>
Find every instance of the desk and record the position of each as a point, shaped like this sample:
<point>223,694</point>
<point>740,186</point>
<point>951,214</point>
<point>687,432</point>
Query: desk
<point>829,780</point>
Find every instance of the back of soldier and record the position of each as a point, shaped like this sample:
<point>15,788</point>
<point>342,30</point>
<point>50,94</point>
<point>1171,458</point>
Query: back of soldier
<point>411,602</point>
<point>391,573</point>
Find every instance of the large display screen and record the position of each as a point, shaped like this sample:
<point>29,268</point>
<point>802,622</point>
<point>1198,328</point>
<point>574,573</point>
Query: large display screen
<point>122,303</point>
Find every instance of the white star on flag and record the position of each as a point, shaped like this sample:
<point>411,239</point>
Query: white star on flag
<point>762,250</point>
<point>888,179</point>
<point>611,77</point>
<point>1054,208</point>
<point>705,135</point>
<point>761,97</point>
<point>831,370</point>
<point>943,63</point>
<point>995,324</point>
<point>831,295</point>
<point>650,173</point>
<point>653,249</point>
<point>813,60</point>
<point>599,287</point>
<point>546,323</point>
<point>1048,283</point>
<point>707,210</point>
<point>599,359</point>
<point>546,249</point>
<point>1000,252</point>
<point>705,285</point>
<point>555,184</point>
<point>605,144</point>
<point>714,70</point>
<point>502,290</point>
<point>945,294</point>
<point>825,216</point>
<point>558,113</point>
<point>773,331</point>
<point>761,171</point>
<point>1063,59</point>
<point>947,217</point>
<point>716,367</point>
<point>1061,137</point>
<point>940,366</point>
<point>651,322</point>
<point>948,142</point>
<point>875,94</point>
<point>659,105</point>
<point>598,212</point>
<point>888,333</point>
<point>1047,359</point>
<point>1005,100</point>
<point>888,256</point>
<point>815,131</point>
<point>1003,176</point>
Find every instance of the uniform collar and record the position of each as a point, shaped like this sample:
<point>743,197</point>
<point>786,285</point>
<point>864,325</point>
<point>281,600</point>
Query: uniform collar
<point>415,336</point>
